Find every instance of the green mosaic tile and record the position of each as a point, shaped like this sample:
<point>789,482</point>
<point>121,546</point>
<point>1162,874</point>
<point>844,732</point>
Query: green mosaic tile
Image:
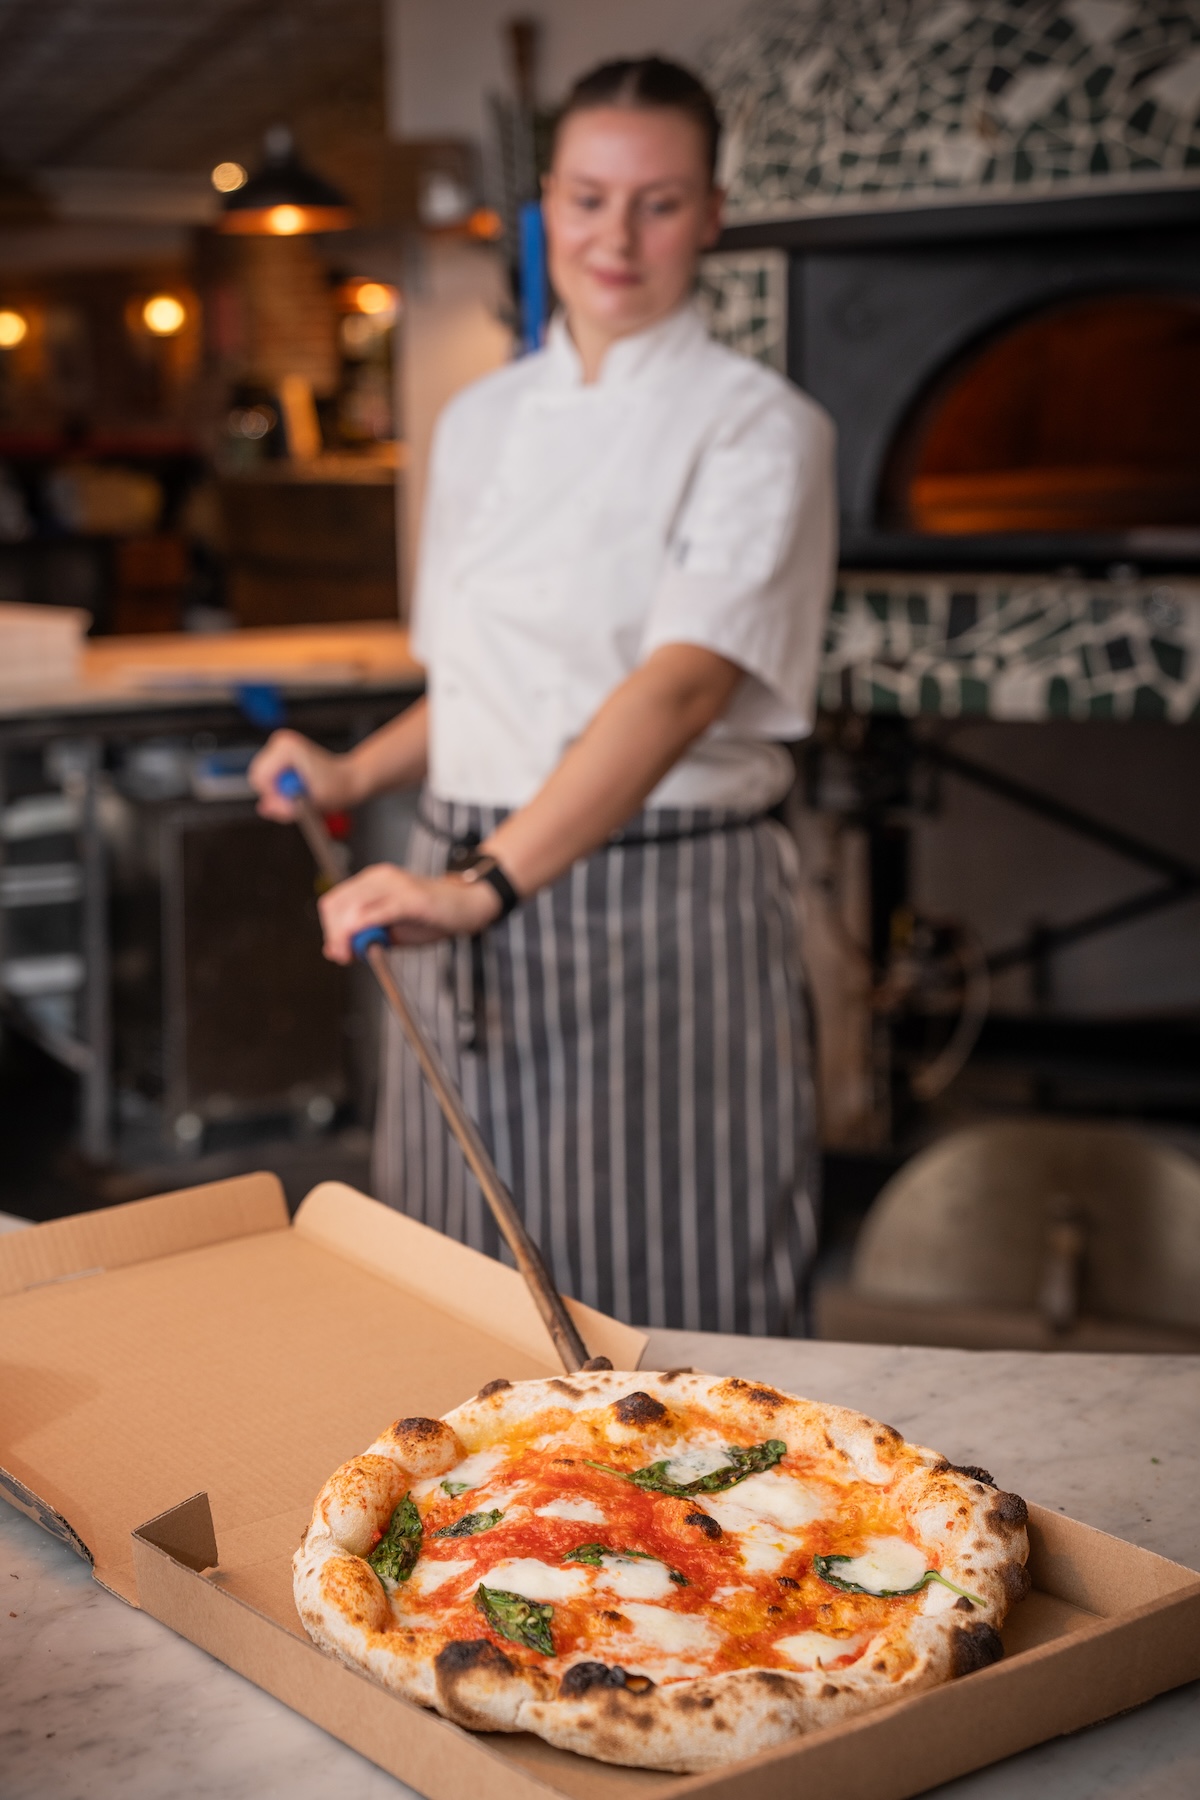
<point>1034,649</point>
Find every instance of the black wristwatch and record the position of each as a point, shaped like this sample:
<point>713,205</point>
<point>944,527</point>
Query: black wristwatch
<point>481,865</point>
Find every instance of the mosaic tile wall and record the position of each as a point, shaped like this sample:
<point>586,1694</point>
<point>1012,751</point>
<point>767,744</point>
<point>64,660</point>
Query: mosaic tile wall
<point>1014,648</point>
<point>836,103</point>
<point>743,294</point>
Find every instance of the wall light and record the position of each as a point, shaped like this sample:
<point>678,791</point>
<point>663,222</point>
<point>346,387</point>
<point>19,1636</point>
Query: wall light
<point>374,297</point>
<point>164,315</point>
<point>284,197</point>
<point>13,329</point>
<point>228,177</point>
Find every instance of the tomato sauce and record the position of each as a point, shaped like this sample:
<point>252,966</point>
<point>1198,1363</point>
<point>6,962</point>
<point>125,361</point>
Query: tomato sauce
<point>747,1611</point>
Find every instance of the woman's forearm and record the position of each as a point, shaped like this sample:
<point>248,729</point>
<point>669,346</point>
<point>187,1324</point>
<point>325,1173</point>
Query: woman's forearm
<point>606,775</point>
<point>395,756</point>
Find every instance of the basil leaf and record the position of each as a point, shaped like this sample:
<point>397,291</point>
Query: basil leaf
<point>743,1461</point>
<point>455,1488</point>
<point>521,1621</point>
<point>595,1553</point>
<point>823,1566</point>
<point>471,1524</point>
<point>588,1553</point>
<point>395,1555</point>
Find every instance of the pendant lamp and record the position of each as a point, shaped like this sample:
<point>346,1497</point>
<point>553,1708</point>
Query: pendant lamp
<point>284,197</point>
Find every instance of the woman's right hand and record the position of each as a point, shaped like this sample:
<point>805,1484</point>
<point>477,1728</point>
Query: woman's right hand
<point>329,780</point>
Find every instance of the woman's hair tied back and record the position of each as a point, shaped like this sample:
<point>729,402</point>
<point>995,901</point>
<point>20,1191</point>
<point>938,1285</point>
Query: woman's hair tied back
<point>648,82</point>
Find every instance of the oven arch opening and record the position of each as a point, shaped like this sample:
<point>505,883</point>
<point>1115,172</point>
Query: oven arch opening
<point>1079,417</point>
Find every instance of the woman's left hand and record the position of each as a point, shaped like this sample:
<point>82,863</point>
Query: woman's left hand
<point>416,909</point>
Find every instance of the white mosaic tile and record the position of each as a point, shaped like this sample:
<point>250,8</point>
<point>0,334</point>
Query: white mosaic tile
<point>743,295</point>
<point>838,103</point>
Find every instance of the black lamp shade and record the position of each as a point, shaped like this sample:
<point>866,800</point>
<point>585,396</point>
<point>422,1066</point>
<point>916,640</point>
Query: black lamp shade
<point>285,197</point>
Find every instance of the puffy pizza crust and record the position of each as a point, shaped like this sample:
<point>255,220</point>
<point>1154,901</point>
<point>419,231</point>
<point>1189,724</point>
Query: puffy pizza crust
<point>688,1725</point>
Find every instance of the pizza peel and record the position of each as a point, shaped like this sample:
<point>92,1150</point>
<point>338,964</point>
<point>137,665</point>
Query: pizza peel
<point>371,946</point>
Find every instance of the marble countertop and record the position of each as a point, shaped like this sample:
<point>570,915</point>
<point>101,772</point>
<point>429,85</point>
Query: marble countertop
<point>98,1701</point>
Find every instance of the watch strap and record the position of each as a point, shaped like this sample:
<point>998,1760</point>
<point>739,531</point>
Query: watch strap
<point>480,865</point>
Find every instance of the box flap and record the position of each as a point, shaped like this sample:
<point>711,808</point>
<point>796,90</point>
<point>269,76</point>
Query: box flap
<point>89,1243</point>
<point>463,1283</point>
<point>202,1345</point>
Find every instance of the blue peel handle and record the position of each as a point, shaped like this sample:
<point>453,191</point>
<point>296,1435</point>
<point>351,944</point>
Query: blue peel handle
<point>290,783</point>
<point>362,941</point>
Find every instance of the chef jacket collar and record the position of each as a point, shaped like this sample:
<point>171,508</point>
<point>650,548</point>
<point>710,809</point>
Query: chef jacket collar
<point>629,358</point>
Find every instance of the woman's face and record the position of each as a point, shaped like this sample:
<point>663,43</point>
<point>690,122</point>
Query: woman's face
<point>628,208</point>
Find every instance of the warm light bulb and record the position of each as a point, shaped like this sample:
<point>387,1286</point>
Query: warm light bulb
<point>12,329</point>
<point>164,315</point>
<point>285,221</point>
<point>374,297</point>
<point>228,177</point>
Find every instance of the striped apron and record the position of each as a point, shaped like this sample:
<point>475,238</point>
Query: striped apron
<point>633,1044</point>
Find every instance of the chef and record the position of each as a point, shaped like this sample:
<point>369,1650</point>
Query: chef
<point>628,549</point>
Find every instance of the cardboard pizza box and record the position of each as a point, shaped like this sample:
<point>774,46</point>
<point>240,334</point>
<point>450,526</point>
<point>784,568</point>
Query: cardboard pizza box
<point>180,1375</point>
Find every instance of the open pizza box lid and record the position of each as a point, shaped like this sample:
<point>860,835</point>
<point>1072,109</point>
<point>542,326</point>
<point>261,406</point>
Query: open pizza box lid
<point>179,1376</point>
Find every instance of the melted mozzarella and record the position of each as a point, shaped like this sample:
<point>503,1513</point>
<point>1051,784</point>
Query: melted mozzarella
<point>583,1512</point>
<point>538,1580</point>
<point>888,1564</point>
<point>694,1462</point>
<point>814,1650</point>
<point>428,1576</point>
<point>633,1578</point>
<point>475,1470</point>
<point>751,1520</point>
<point>780,1499</point>
<point>676,1633</point>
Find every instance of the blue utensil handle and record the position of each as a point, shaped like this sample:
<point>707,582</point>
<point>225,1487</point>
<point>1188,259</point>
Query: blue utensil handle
<point>290,783</point>
<point>362,940</point>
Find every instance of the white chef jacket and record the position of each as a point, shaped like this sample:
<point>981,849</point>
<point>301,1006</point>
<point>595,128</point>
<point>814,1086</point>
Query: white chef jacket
<point>687,496</point>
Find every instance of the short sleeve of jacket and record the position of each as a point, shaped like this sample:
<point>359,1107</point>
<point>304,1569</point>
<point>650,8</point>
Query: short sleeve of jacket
<point>752,558</point>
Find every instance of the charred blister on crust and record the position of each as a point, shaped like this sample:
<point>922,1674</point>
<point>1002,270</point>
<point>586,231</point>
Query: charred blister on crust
<point>463,1655</point>
<point>424,1446</point>
<point>703,1522</point>
<point>581,1677</point>
<point>1009,1514</point>
<point>972,1473</point>
<point>888,1435</point>
<point>974,1647</point>
<point>640,1409</point>
<point>564,1387</point>
<point>493,1387</point>
<point>769,1398</point>
<point>1017,1582</point>
<point>674,1374</point>
<point>962,1604</point>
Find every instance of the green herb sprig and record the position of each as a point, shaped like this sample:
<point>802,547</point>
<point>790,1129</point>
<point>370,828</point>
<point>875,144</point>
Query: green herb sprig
<point>395,1555</point>
<point>471,1524</point>
<point>823,1566</point>
<point>743,1461</point>
<point>519,1620</point>
<point>595,1554</point>
<point>455,1488</point>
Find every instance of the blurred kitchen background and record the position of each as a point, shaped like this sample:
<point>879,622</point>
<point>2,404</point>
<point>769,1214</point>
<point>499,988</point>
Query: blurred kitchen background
<point>247,250</point>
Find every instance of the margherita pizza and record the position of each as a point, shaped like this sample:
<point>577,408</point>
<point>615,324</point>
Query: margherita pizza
<point>672,1571</point>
